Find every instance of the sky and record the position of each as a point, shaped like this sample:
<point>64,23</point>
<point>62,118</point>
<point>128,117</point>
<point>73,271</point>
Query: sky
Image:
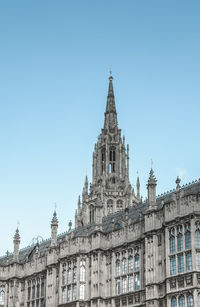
<point>55,58</point>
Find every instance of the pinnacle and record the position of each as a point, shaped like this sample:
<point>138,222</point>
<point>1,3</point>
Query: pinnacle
<point>54,221</point>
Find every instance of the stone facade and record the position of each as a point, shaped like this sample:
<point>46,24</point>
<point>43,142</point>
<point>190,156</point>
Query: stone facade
<point>122,251</point>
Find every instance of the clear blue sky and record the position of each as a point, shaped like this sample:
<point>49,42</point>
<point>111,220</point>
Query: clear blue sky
<point>55,58</point>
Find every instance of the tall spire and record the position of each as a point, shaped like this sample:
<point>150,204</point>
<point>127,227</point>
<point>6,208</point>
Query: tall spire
<point>111,113</point>
<point>16,241</point>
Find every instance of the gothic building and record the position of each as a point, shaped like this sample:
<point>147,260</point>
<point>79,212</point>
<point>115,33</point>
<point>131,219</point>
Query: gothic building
<point>122,251</point>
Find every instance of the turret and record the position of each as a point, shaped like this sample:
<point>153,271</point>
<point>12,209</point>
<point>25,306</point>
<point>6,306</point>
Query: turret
<point>16,242</point>
<point>151,186</point>
<point>54,229</point>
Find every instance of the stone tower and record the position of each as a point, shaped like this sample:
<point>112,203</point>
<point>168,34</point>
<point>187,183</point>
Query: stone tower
<point>110,190</point>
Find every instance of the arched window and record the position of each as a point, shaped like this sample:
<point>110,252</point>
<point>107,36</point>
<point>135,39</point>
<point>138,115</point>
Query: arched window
<point>110,206</point>
<point>124,266</point>
<point>103,160</point>
<point>112,165</point>
<point>137,262</point>
<point>181,301</point>
<point>130,264</point>
<point>74,274</point>
<point>173,302</point>
<point>117,266</point>
<point>69,293</point>
<point>2,296</point>
<point>180,263</point>
<point>64,277</point>
<point>69,276</point>
<point>187,240</point>
<point>82,273</point>
<point>190,301</point>
<point>42,289</point>
<point>91,214</point>
<point>33,292</point>
<point>188,261</point>
<point>197,238</point>
<point>119,205</point>
<point>180,242</point>
<point>172,244</point>
<point>38,291</point>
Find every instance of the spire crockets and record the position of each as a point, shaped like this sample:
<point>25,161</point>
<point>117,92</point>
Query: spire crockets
<point>16,242</point>
<point>54,228</point>
<point>110,115</point>
<point>151,186</point>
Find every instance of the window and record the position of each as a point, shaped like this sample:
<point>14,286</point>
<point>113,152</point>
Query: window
<point>198,261</point>
<point>180,242</point>
<point>74,274</point>
<point>2,296</point>
<point>69,276</point>
<point>29,293</point>
<point>130,283</point>
<point>119,205</point>
<point>38,290</point>
<point>130,264</point>
<point>117,267</point>
<point>112,161</point>
<point>91,214</point>
<point>190,301</point>
<point>173,302</point>
<point>180,263</point>
<point>172,265</point>
<point>123,284</point>
<point>64,277</point>
<point>137,281</point>
<point>74,292</point>
<point>42,289</point>
<point>82,291</point>
<point>197,238</point>
<point>181,301</point>
<point>124,265</point>
<point>82,273</point>
<point>172,245</point>
<point>103,160</point>
<point>69,293</point>
<point>110,206</point>
<point>187,240</point>
<point>117,286</point>
<point>64,295</point>
<point>188,261</point>
<point>33,292</point>
<point>137,262</point>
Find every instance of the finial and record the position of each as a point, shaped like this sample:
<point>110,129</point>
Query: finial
<point>151,163</point>
<point>55,206</point>
<point>110,77</point>
<point>70,225</point>
<point>178,180</point>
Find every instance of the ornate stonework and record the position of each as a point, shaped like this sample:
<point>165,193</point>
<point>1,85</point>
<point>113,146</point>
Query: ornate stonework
<point>122,251</point>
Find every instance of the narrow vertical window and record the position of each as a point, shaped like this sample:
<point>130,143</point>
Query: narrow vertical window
<point>2,296</point>
<point>130,283</point>
<point>130,264</point>
<point>64,295</point>
<point>112,165</point>
<point>117,286</point>
<point>181,301</point>
<point>117,268</point>
<point>124,266</point>
<point>137,262</point>
<point>198,261</point>
<point>172,244</point>
<point>69,276</point>
<point>123,284</point>
<point>74,292</point>
<point>82,291</point>
<point>198,300</point>
<point>188,261</point>
<point>69,293</point>
<point>137,281</point>
<point>173,302</point>
<point>74,274</point>
<point>180,240</point>
<point>180,263</point>
<point>197,238</point>
<point>187,236</point>
<point>190,301</point>
<point>172,265</point>
<point>64,277</point>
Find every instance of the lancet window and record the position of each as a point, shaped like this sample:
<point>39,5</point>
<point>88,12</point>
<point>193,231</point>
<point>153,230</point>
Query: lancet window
<point>112,160</point>
<point>69,281</point>
<point>2,295</point>
<point>36,292</point>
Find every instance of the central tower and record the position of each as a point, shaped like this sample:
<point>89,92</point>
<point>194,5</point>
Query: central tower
<point>110,190</point>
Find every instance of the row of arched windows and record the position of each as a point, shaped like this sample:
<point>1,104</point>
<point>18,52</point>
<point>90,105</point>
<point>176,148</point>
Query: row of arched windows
<point>179,241</point>
<point>181,301</point>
